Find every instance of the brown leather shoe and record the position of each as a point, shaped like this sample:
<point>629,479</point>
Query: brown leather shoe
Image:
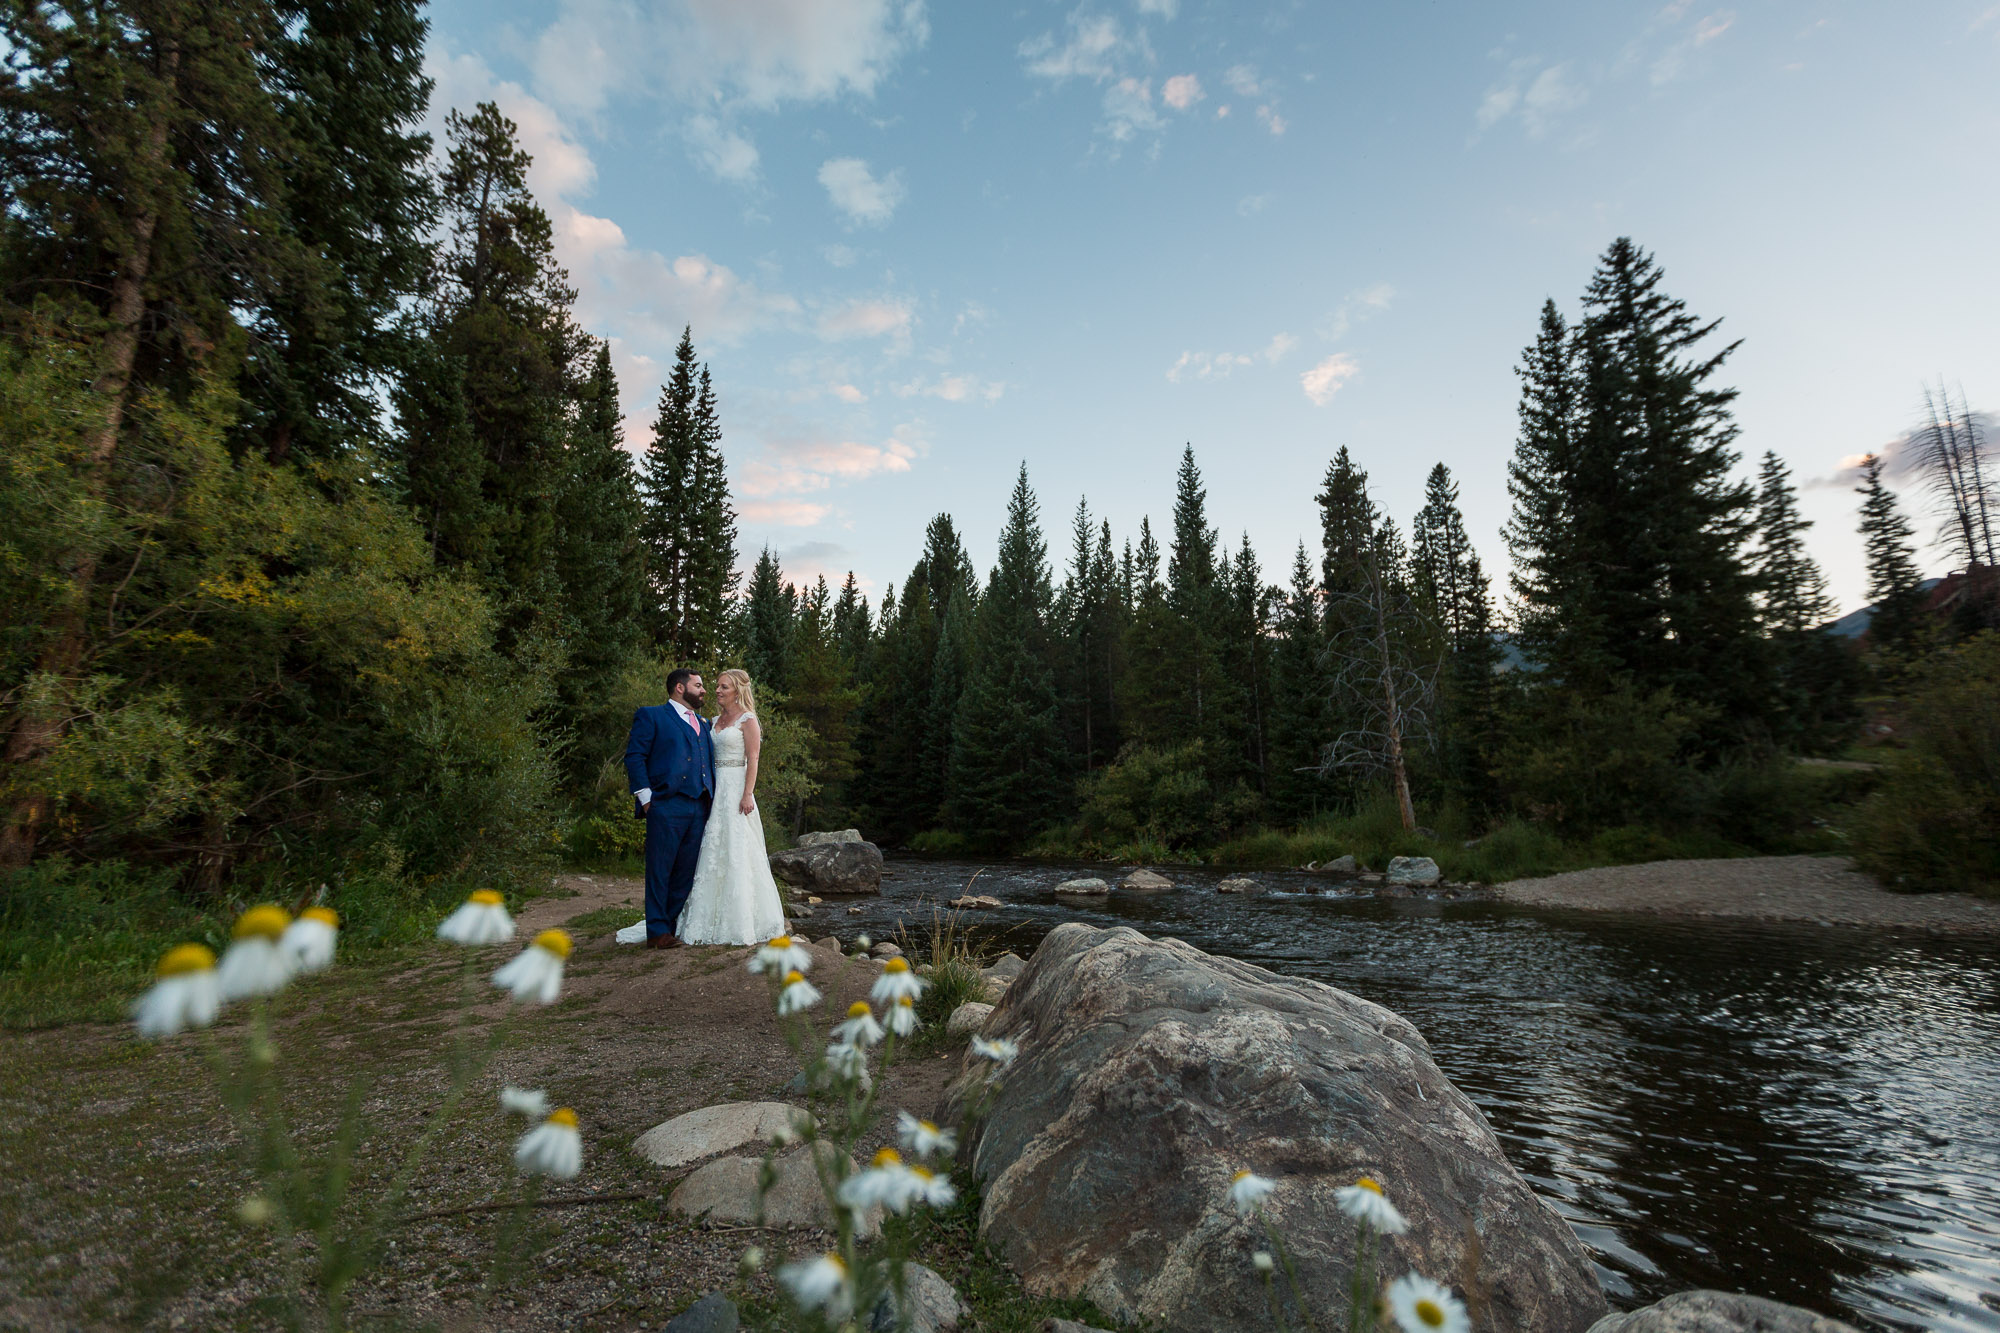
<point>663,941</point>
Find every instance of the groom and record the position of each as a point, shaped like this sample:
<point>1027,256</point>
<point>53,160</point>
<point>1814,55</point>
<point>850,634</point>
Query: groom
<point>670,760</point>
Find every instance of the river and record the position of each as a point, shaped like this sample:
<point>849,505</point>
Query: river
<point>1806,1113</point>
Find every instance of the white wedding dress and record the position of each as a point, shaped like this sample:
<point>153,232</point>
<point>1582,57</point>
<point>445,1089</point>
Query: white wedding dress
<point>734,899</point>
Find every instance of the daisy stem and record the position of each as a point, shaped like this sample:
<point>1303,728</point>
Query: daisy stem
<point>1291,1272</point>
<point>1361,1305</point>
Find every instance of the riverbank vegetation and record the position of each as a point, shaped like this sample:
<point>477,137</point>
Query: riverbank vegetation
<point>328,572</point>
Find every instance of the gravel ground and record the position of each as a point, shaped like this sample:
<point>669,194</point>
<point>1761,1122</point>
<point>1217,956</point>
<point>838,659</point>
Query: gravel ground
<point>121,1171</point>
<point>1823,889</point>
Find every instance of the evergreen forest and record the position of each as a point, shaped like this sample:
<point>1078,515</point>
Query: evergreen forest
<point>326,563</point>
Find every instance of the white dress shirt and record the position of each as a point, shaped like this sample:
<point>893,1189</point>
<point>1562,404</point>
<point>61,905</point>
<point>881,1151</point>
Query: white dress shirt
<point>689,716</point>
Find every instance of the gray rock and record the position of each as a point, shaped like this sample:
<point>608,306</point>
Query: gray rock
<point>828,839</point>
<point>724,1193</point>
<point>1413,870</point>
<point>934,1306</point>
<point>831,867</point>
<point>1340,865</point>
<point>798,911</point>
<point>1007,965</point>
<point>1145,881</point>
<point>1238,884</point>
<point>1083,888</point>
<point>828,942</point>
<point>886,950</point>
<point>967,1019</point>
<point>1069,1326</point>
<point>1150,1073</point>
<point>975,903</point>
<point>1718,1312</point>
<point>715,1129</point>
<point>713,1313</point>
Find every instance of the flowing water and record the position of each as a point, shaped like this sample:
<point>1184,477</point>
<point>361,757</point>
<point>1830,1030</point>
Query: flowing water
<point>1806,1113</point>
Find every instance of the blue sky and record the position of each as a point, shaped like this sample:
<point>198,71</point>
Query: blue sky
<point>921,243</point>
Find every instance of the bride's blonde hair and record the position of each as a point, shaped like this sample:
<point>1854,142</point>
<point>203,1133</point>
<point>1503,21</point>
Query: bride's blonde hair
<point>745,692</point>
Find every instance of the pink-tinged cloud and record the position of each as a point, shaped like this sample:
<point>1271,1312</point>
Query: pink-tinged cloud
<point>1324,380</point>
<point>784,513</point>
<point>1181,91</point>
<point>847,393</point>
<point>794,467</point>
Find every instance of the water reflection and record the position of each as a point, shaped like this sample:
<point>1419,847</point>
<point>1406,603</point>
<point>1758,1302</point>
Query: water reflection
<point>1806,1113</point>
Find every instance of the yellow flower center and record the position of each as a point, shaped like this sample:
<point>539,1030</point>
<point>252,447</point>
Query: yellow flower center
<point>486,898</point>
<point>781,941</point>
<point>264,920</point>
<point>563,1116</point>
<point>834,1259</point>
<point>555,942</point>
<point>888,1157</point>
<point>325,915</point>
<point>1240,1175</point>
<point>922,1173</point>
<point>905,1002</point>
<point>1429,1312</point>
<point>859,1009</point>
<point>794,977</point>
<point>896,965</point>
<point>927,1126</point>
<point>183,958</point>
<point>1368,1184</point>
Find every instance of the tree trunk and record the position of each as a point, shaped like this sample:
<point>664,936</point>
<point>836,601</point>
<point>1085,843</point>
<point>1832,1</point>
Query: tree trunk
<point>1392,714</point>
<point>36,732</point>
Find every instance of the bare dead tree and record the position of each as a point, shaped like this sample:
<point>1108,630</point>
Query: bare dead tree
<point>1384,679</point>
<point>1951,456</point>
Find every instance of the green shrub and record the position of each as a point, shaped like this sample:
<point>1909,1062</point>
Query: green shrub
<point>938,842</point>
<point>1581,763</point>
<point>1163,797</point>
<point>1935,822</point>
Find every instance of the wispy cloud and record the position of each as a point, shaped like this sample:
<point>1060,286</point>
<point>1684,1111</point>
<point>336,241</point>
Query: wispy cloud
<point>1218,365</point>
<point>953,389</point>
<point>1089,50</point>
<point>1324,380</point>
<point>726,154</point>
<point>866,318</point>
<point>783,513</point>
<point>1356,308</point>
<point>1181,91</point>
<point>1537,94</point>
<point>858,193</point>
<point>1128,109</point>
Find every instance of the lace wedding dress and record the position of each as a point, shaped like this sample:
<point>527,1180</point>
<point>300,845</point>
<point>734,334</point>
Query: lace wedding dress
<point>734,899</point>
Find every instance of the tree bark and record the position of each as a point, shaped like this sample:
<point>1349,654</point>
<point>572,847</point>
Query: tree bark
<point>36,732</point>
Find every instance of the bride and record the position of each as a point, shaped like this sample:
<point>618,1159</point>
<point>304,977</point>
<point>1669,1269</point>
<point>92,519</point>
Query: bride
<point>734,899</point>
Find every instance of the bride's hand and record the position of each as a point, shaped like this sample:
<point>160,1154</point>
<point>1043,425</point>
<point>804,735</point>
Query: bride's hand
<point>747,805</point>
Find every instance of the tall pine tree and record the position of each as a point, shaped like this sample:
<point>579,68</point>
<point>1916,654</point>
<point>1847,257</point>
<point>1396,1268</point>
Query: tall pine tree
<point>1897,631</point>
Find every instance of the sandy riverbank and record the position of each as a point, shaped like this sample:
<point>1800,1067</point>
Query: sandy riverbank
<point>1823,889</point>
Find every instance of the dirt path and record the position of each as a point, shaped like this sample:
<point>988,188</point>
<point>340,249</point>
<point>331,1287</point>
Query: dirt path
<point>1823,889</point>
<point>121,1174</point>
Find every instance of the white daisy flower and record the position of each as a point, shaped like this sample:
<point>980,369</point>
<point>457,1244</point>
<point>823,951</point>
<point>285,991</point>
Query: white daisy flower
<point>782,955</point>
<point>930,1189</point>
<point>552,1148</point>
<point>524,1102</point>
<point>923,1138</point>
<point>896,982</point>
<point>903,1017</point>
<point>797,995</point>
<point>1248,1190</point>
<point>1423,1306</point>
<point>849,1062</point>
<point>999,1050</point>
<point>1262,1261</point>
<point>860,1027</point>
<point>535,974</point>
<point>820,1284</point>
<point>185,993</point>
<point>1364,1202</point>
<point>885,1182</point>
<point>309,941</point>
<point>480,919</point>
<point>252,964</point>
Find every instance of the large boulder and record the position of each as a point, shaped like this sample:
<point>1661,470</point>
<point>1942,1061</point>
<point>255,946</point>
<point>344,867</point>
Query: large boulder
<point>934,1305</point>
<point>825,839</point>
<point>717,1129</point>
<point>1150,1073</point>
<point>831,867</point>
<point>1718,1312</point>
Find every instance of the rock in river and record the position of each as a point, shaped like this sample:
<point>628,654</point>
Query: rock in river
<point>1145,881</point>
<point>1718,1312</point>
<point>1082,888</point>
<point>1238,884</point>
<point>831,867</point>
<point>1413,870</point>
<point>1150,1073</point>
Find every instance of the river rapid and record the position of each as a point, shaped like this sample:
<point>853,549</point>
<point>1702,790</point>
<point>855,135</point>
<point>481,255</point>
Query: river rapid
<point>1801,1112</point>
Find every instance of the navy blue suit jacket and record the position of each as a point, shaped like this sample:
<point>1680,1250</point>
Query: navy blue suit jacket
<point>664,753</point>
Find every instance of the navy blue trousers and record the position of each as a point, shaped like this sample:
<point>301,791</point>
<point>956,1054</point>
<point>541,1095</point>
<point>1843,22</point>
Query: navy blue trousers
<point>673,844</point>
